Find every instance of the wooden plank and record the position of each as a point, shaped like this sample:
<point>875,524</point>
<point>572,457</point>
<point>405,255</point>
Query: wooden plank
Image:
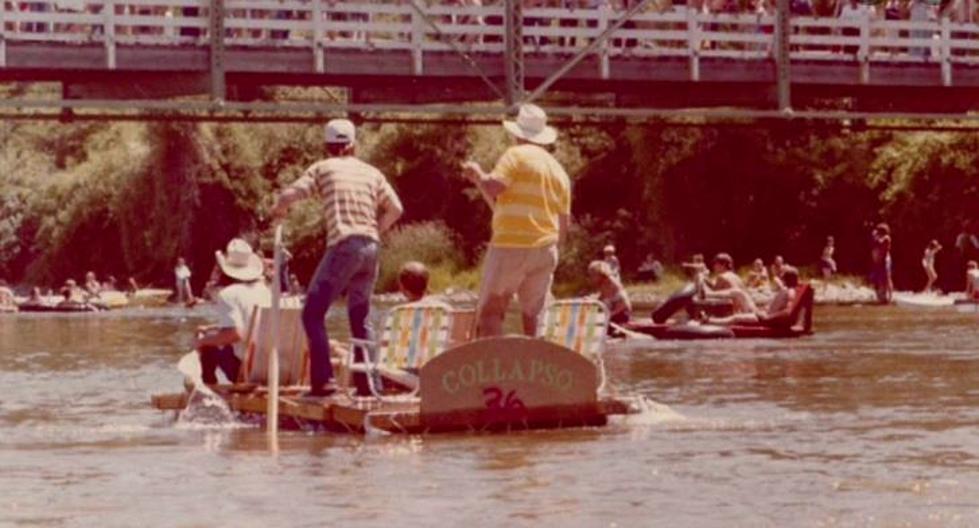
<point>169,402</point>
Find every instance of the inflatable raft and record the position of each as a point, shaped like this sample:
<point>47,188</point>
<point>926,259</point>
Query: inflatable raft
<point>797,324</point>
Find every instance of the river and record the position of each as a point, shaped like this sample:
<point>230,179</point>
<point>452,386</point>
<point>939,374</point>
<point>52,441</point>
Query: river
<point>874,421</point>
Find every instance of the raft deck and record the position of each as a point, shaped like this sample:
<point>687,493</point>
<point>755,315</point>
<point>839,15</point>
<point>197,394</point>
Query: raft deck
<point>497,384</point>
<point>342,413</point>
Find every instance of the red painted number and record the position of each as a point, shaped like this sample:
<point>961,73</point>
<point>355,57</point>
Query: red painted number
<point>496,400</point>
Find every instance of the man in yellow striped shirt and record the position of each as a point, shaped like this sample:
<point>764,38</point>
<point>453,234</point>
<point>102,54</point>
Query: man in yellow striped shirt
<point>530,194</point>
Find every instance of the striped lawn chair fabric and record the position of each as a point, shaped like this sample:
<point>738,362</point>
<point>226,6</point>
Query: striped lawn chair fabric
<point>413,334</point>
<point>580,325</point>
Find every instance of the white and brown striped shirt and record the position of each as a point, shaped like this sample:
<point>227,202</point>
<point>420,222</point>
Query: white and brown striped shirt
<point>353,193</point>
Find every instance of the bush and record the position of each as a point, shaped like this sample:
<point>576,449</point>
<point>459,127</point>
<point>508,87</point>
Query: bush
<point>431,243</point>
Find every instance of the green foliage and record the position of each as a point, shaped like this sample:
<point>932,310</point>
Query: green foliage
<point>431,243</point>
<point>128,198</point>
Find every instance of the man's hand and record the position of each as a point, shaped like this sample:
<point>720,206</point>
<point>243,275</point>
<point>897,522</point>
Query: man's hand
<point>472,171</point>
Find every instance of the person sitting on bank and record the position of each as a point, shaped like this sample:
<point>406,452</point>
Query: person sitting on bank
<point>221,346</point>
<point>778,269</point>
<point>727,285</point>
<point>758,276</point>
<point>972,280</point>
<point>612,260</point>
<point>777,311</point>
<point>610,292</point>
<point>650,270</point>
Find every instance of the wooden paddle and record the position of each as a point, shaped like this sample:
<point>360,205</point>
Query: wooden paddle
<point>272,412</point>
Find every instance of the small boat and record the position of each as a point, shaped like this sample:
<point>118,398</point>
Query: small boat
<point>967,305</point>
<point>797,324</point>
<point>925,301</point>
<point>495,384</point>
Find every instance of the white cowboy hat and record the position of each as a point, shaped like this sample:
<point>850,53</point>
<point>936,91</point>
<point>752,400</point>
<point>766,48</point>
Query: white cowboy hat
<point>240,262</point>
<point>531,125</point>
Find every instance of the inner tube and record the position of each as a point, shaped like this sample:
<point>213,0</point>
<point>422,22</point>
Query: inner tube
<point>63,307</point>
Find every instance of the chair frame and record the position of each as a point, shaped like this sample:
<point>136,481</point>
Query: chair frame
<point>598,358</point>
<point>375,354</point>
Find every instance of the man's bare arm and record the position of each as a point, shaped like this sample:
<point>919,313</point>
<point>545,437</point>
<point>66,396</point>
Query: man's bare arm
<point>489,186</point>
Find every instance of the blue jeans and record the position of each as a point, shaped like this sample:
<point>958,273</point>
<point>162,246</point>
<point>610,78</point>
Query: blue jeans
<point>350,265</point>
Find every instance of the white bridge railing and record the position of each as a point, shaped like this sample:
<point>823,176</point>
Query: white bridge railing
<point>324,25</point>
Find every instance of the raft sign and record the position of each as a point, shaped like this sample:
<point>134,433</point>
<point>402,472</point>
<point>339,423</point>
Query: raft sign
<point>511,374</point>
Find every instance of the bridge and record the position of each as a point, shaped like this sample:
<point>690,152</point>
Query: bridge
<point>221,56</point>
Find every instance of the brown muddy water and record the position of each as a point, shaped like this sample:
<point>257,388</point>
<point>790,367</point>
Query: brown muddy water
<point>874,421</point>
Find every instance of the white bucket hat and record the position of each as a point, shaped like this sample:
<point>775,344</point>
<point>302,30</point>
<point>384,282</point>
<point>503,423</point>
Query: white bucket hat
<point>240,262</point>
<point>531,125</point>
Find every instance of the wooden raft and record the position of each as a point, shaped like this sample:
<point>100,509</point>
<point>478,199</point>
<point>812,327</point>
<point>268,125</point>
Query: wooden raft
<point>499,384</point>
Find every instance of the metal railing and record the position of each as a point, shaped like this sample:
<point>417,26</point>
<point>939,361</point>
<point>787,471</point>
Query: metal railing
<point>324,25</point>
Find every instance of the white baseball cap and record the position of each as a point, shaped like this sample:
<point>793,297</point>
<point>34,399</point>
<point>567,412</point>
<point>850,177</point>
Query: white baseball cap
<point>341,132</point>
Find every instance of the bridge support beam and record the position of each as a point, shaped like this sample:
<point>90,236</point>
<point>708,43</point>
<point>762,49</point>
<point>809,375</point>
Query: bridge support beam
<point>513,42</point>
<point>218,86</point>
<point>783,60</point>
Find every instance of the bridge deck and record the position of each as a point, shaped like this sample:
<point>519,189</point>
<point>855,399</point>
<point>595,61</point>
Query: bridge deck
<point>390,51</point>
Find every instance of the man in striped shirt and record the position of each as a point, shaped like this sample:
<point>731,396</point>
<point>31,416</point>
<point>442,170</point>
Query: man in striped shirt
<point>530,194</point>
<point>359,206</point>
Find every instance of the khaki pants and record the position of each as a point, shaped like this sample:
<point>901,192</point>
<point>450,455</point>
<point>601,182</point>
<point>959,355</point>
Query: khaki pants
<point>528,273</point>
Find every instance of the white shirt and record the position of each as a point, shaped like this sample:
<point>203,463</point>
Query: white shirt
<point>182,272</point>
<point>235,304</point>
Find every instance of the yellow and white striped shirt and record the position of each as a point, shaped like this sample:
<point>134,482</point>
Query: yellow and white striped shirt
<point>538,191</point>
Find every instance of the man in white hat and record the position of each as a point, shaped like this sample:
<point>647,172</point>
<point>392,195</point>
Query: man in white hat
<point>359,206</point>
<point>241,290</point>
<point>530,194</point>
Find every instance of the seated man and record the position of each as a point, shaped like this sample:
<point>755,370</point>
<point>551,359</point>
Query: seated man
<point>727,285</point>
<point>610,292</point>
<point>972,280</point>
<point>241,289</point>
<point>777,311</point>
<point>683,299</point>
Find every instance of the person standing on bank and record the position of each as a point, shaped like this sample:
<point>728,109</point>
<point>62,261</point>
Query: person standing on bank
<point>221,346</point>
<point>530,194</point>
<point>359,205</point>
